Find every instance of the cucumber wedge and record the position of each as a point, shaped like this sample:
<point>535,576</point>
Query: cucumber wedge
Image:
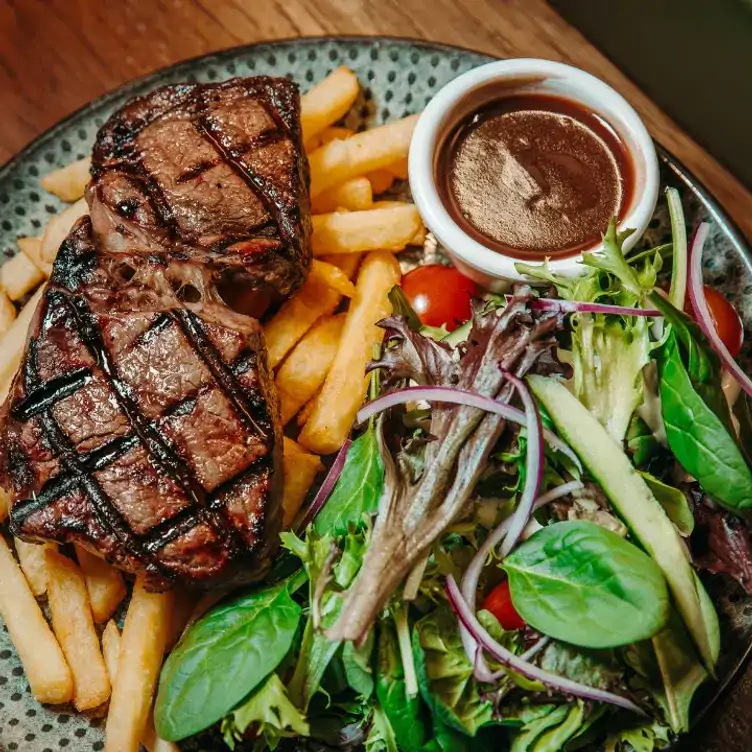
<point>635,504</point>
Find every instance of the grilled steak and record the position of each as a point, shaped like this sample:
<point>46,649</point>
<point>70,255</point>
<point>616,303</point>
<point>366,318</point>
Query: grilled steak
<point>214,173</point>
<point>143,423</point>
<point>151,434</point>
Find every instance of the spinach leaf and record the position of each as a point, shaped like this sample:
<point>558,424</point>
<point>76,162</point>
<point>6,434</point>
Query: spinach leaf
<point>358,489</point>
<point>699,438</point>
<point>270,709</point>
<point>674,503</point>
<point>405,713</point>
<point>583,584</point>
<point>641,443</point>
<point>445,675</point>
<point>357,663</point>
<point>224,656</point>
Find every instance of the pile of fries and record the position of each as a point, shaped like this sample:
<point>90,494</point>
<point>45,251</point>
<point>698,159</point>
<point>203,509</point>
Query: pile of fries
<point>319,344</point>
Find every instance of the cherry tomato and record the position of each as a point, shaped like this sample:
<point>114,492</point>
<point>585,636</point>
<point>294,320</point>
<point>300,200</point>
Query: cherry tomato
<point>439,295</point>
<point>727,322</point>
<point>499,603</point>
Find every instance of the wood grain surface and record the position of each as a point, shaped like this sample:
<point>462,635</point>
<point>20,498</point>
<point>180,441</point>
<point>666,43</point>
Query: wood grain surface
<point>56,55</point>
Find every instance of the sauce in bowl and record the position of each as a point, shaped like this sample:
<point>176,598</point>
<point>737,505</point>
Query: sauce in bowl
<point>534,175</point>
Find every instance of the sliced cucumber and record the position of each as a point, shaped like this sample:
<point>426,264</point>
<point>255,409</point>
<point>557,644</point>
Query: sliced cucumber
<point>635,504</point>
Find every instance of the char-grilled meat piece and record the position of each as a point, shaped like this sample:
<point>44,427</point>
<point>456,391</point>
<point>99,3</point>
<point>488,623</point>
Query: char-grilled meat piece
<point>143,427</point>
<point>213,173</point>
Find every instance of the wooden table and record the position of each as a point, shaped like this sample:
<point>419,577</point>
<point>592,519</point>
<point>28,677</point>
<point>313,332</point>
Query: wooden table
<point>57,55</point>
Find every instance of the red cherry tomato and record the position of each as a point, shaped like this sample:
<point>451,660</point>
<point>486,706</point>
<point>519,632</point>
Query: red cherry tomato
<point>499,603</point>
<point>439,295</point>
<point>727,322</point>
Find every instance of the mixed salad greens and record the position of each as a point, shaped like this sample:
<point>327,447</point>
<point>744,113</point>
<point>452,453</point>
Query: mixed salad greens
<point>498,560</point>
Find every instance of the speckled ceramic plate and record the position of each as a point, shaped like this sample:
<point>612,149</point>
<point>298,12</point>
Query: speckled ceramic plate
<point>399,77</point>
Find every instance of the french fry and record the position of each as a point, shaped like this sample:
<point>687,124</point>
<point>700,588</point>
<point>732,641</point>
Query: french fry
<point>381,181</point>
<point>142,645</point>
<point>399,169</point>
<point>4,504</point>
<point>33,560</point>
<point>328,101</point>
<point>32,247</point>
<point>111,649</point>
<point>301,469</point>
<point>335,133</point>
<point>7,313</point>
<point>333,277</point>
<point>388,228</point>
<point>360,154</point>
<point>347,262</point>
<point>104,583</point>
<point>307,410</point>
<point>69,182</point>
<point>19,275</point>
<point>58,228</point>
<point>346,384</point>
<point>43,661</point>
<point>13,343</point>
<point>154,743</point>
<point>304,370</point>
<point>74,628</point>
<point>354,195</point>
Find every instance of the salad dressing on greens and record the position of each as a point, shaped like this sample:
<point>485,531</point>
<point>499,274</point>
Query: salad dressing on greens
<point>534,175</point>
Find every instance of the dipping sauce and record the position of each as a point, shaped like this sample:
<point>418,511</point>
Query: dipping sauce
<point>533,176</point>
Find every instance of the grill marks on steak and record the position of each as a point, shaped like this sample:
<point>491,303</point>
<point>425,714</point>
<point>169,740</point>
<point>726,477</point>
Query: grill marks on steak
<point>213,173</point>
<point>142,427</point>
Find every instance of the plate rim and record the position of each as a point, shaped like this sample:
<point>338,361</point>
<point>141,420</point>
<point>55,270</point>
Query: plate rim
<point>719,212</point>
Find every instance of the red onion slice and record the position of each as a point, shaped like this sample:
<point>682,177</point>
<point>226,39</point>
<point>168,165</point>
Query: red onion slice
<point>521,666</point>
<point>704,318</point>
<point>325,491</point>
<point>534,465</point>
<point>472,575</point>
<point>455,396</point>
<point>573,306</point>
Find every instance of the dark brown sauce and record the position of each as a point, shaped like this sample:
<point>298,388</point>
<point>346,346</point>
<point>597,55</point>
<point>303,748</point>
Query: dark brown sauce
<point>534,175</point>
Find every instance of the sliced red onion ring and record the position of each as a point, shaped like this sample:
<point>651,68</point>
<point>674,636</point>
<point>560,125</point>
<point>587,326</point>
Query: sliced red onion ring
<point>325,491</point>
<point>521,666</point>
<point>704,318</point>
<point>534,465</point>
<point>472,575</point>
<point>573,306</point>
<point>456,396</point>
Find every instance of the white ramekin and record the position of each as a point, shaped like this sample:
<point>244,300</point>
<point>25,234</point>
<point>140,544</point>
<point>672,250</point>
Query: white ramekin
<point>491,268</point>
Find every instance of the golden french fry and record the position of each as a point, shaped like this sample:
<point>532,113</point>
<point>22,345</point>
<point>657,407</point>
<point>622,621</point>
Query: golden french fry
<point>328,101</point>
<point>111,649</point>
<point>346,383</point>
<point>13,343</point>
<point>347,262</point>
<point>69,182</point>
<point>7,313</point>
<point>389,228</point>
<point>32,248</point>
<point>354,195</point>
<point>335,133</point>
<point>338,161</point>
<point>33,560</point>
<point>304,370</point>
<point>104,583</point>
<point>399,169</point>
<point>300,469</point>
<point>4,504</point>
<point>419,238</point>
<point>306,411</point>
<point>142,645</point>
<point>48,674</point>
<point>58,228</point>
<point>333,277</point>
<point>154,743</point>
<point>19,275</point>
<point>381,180</point>
<point>74,628</point>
